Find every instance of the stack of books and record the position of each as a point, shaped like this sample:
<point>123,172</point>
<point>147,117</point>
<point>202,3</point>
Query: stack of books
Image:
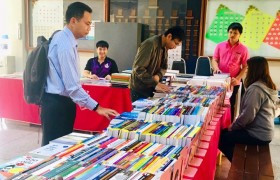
<point>128,71</point>
<point>221,80</point>
<point>169,76</point>
<point>120,79</point>
<point>184,115</point>
<point>155,132</point>
<point>98,157</point>
<point>209,91</point>
<point>179,81</point>
<point>99,82</point>
<point>155,139</point>
<point>49,150</point>
<point>143,103</point>
<point>71,139</point>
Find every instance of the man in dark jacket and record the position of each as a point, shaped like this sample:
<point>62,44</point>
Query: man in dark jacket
<point>150,63</point>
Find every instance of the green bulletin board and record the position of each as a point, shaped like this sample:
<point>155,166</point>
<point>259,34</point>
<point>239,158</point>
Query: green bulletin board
<point>217,32</point>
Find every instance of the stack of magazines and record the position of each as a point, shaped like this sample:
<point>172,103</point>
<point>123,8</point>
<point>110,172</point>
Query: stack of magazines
<point>120,79</point>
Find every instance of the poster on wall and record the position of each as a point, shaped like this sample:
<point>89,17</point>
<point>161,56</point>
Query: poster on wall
<point>217,32</point>
<point>256,25</point>
<point>273,36</point>
<point>260,21</point>
<point>174,55</point>
<point>47,18</point>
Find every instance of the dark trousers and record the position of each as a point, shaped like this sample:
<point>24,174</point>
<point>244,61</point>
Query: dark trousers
<point>58,114</point>
<point>136,95</point>
<point>228,139</point>
<point>233,99</point>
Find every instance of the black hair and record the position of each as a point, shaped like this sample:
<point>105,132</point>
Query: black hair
<point>235,26</point>
<point>102,44</point>
<point>177,33</point>
<point>76,10</point>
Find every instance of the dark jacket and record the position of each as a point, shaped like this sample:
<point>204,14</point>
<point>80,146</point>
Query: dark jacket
<point>150,60</point>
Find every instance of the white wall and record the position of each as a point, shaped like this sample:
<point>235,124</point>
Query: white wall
<point>11,15</point>
<point>84,57</point>
<point>274,67</point>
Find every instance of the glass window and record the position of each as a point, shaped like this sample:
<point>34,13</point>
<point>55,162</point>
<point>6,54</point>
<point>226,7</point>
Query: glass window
<point>159,15</point>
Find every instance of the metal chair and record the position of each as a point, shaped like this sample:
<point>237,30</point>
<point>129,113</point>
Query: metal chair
<point>203,66</point>
<point>179,65</point>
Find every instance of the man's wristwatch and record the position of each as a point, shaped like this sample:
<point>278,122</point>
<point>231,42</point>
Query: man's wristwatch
<point>94,109</point>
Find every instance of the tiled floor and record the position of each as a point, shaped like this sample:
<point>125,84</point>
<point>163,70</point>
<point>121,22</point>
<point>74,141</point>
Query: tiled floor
<point>18,138</point>
<point>222,171</point>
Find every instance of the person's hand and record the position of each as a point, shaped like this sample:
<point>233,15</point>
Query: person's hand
<point>217,71</point>
<point>234,81</point>
<point>156,78</point>
<point>108,77</point>
<point>106,112</point>
<point>93,76</point>
<point>162,88</point>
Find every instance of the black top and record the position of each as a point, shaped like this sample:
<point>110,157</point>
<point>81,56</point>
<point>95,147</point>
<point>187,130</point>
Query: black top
<point>109,66</point>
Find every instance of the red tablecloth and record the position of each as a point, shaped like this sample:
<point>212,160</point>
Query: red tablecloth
<point>109,97</point>
<point>13,106</point>
<point>226,118</point>
<point>207,169</point>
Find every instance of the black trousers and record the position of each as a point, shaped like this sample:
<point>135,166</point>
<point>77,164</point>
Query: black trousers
<point>233,99</point>
<point>58,114</point>
<point>228,139</point>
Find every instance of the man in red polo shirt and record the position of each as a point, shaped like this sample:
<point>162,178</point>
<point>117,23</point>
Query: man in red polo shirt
<point>231,57</point>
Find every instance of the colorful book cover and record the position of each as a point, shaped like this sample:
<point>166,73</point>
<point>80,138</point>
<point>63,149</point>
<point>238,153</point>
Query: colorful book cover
<point>19,165</point>
<point>49,150</point>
